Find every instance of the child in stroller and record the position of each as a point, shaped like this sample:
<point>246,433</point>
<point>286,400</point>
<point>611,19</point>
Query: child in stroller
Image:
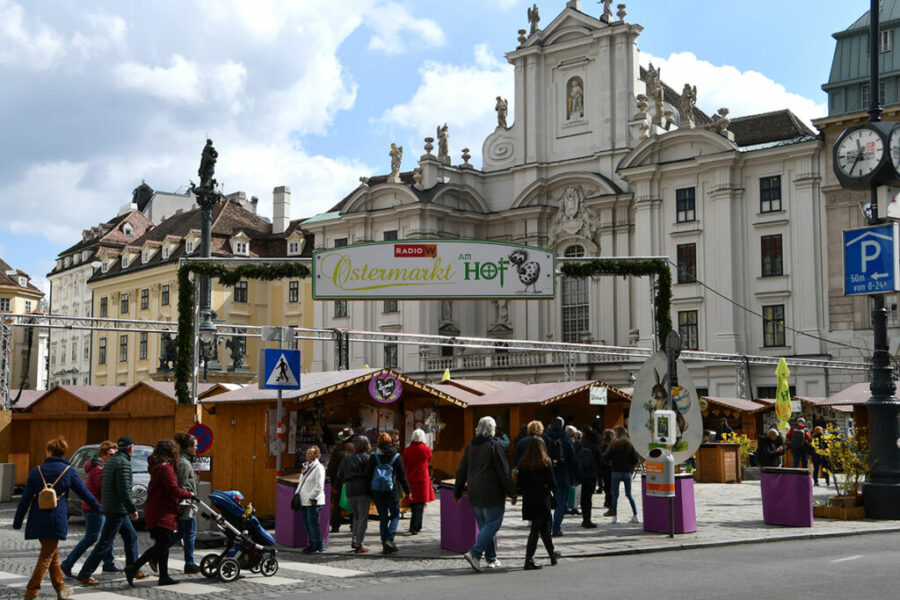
<point>247,544</point>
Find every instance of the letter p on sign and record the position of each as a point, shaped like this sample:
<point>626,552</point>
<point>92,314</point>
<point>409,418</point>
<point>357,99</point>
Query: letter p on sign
<point>869,251</point>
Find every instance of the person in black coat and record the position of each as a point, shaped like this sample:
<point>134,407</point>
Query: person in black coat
<point>537,485</point>
<point>565,468</point>
<point>622,458</point>
<point>589,459</point>
<point>388,502</point>
<point>606,471</point>
<point>50,525</point>
<point>771,449</point>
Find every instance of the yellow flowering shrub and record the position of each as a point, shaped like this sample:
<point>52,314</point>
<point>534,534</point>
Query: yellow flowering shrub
<point>746,446</point>
<point>844,456</point>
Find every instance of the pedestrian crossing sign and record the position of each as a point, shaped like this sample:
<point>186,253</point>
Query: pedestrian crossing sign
<point>281,369</point>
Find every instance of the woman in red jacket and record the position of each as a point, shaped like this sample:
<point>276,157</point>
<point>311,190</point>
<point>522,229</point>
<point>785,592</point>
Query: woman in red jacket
<point>161,510</point>
<point>416,458</point>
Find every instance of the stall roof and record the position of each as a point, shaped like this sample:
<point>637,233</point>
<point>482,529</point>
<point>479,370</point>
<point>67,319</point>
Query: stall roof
<point>736,403</point>
<point>27,398</point>
<point>166,388</point>
<point>95,396</point>
<point>320,383</point>
<point>481,387</point>
<point>461,394</point>
<point>857,393</point>
<point>539,393</point>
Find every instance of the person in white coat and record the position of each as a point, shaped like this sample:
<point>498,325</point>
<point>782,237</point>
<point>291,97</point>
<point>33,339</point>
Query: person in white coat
<point>311,490</point>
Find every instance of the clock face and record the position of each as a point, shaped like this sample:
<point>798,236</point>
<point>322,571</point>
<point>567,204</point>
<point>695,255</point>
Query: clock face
<point>860,153</point>
<point>894,148</point>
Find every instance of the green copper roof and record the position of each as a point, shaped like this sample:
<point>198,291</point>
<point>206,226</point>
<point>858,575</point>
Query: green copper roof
<point>323,217</point>
<point>890,11</point>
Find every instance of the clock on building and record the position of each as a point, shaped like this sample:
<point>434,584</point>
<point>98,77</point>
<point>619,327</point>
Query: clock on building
<point>868,154</point>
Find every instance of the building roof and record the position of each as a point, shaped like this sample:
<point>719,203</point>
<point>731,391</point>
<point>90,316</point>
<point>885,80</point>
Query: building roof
<point>106,235</point>
<point>95,396</point>
<point>481,387</point>
<point>27,398</point>
<point>889,11</point>
<point>736,403</point>
<point>768,127</point>
<point>320,383</point>
<point>9,277</point>
<point>166,388</point>
<point>857,393</point>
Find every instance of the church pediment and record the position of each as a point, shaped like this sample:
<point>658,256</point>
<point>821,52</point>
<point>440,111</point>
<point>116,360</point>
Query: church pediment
<point>681,145</point>
<point>383,196</point>
<point>567,26</point>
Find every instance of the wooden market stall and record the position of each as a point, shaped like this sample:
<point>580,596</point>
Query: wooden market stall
<point>741,415</point>
<point>71,411</point>
<point>18,452</point>
<point>244,426</point>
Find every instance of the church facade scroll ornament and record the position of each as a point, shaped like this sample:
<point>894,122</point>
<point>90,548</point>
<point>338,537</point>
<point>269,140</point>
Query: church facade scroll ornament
<point>688,102</point>
<point>574,98</point>
<point>573,218</point>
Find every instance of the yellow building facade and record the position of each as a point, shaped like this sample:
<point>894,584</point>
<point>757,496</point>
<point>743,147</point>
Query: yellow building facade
<point>141,284</point>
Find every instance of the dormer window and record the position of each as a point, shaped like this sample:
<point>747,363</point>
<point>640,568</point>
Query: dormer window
<point>128,230</point>
<point>124,261</point>
<point>67,261</point>
<point>165,252</point>
<point>240,248</point>
<point>189,246</point>
<point>76,259</point>
<point>23,281</point>
<point>145,256</point>
<point>104,267</point>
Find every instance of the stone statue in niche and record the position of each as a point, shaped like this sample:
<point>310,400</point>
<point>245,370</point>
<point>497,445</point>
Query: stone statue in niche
<point>501,107</point>
<point>574,98</point>
<point>534,17</point>
<point>503,311</point>
<point>688,102</point>
<point>573,218</point>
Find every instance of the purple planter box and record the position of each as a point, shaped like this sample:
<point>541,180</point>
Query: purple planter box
<point>787,497</point>
<point>656,510</point>
<point>458,527</point>
<point>289,529</point>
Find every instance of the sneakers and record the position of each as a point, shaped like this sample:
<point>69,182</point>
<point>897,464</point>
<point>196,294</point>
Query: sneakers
<point>530,565</point>
<point>361,549</point>
<point>615,519</point>
<point>191,569</point>
<point>88,581</point>
<point>554,558</point>
<point>635,519</point>
<point>388,547</point>
<point>67,571</point>
<point>493,565</point>
<point>63,593</point>
<point>474,562</point>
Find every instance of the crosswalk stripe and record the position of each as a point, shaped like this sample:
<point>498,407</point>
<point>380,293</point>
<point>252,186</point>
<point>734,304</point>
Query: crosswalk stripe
<point>318,569</point>
<point>195,589</point>
<point>5,575</point>
<point>99,595</point>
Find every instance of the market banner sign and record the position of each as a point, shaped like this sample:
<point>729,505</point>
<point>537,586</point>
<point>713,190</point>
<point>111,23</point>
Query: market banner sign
<point>433,269</point>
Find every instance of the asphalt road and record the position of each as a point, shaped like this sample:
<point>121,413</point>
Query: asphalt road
<point>860,567</point>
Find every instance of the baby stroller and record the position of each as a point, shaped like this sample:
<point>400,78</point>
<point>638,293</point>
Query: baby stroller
<point>247,544</point>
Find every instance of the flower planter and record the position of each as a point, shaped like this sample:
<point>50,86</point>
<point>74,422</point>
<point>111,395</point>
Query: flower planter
<point>820,511</point>
<point>843,501</point>
<point>845,514</point>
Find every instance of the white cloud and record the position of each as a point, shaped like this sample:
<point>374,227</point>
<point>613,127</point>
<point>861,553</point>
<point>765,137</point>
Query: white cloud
<point>35,46</point>
<point>742,92</point>
<point>179,82</point>
<point>462,96</point>
<point>393,23</point>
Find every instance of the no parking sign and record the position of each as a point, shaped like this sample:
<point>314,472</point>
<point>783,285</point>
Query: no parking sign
<point>204,436</point>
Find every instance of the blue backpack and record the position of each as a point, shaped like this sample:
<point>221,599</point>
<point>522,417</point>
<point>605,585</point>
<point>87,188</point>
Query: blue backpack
<point>383,477</point>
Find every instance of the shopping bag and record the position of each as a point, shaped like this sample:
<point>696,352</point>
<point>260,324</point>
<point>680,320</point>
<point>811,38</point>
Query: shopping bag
<point>343,502</point>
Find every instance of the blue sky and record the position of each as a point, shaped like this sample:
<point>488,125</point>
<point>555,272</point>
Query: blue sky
<point>99,95</point>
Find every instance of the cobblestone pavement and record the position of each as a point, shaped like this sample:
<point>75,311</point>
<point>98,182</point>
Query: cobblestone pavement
<point>726,514</point>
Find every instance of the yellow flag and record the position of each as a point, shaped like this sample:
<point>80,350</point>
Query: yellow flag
<point>783,395</point>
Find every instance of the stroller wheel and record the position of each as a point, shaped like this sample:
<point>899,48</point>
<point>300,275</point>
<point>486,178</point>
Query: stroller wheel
<point>229,570</point>
<point>268,566</point>
<point>209,566</point>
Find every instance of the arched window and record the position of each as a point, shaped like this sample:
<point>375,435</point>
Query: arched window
<point>576,319</point>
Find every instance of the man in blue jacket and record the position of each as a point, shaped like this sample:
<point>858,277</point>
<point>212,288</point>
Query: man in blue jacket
<point>565,467</point>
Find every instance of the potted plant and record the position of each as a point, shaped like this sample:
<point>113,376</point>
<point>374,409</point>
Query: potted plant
<point>846,459</point>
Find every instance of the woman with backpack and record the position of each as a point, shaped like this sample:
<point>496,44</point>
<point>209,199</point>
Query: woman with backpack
<point>160,511</point>
<point>353,473</point>
<point>387,478</point>
<point>44,499</point>
<point>416,460</point>
<point>622,458</point>
<point>537,484</point>
<point>589,459</point>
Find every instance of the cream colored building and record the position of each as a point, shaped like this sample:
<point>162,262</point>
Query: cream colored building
<point>28,352</point>
<point>140,283</point>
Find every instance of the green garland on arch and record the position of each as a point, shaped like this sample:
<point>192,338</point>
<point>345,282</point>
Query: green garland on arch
<point>625,268</point>
<point>227,276</point>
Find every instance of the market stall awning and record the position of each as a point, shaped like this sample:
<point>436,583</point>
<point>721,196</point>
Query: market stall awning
<point>736,403</point>
<point>320,383</point>
<point>166,388</point>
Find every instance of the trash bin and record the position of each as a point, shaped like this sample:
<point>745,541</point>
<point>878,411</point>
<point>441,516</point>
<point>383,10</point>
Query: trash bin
<point>786,497</point>
<point>458,526</point>
<point>289,529</point>
<point>656,510</point>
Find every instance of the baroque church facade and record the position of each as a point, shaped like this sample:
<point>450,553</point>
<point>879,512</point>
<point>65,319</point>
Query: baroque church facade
<point>604,159</point>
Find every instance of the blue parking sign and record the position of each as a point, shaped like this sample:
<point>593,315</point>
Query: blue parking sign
<point>871,260</point>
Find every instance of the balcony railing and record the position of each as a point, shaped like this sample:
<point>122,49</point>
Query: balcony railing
<point>510,359</point>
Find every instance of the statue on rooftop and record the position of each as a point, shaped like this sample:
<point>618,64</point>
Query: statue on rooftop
<point>688,102</point>
<point>396,154</point>
<point>501,107</point>
<point>208,166</point>
<point>534,18</point>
